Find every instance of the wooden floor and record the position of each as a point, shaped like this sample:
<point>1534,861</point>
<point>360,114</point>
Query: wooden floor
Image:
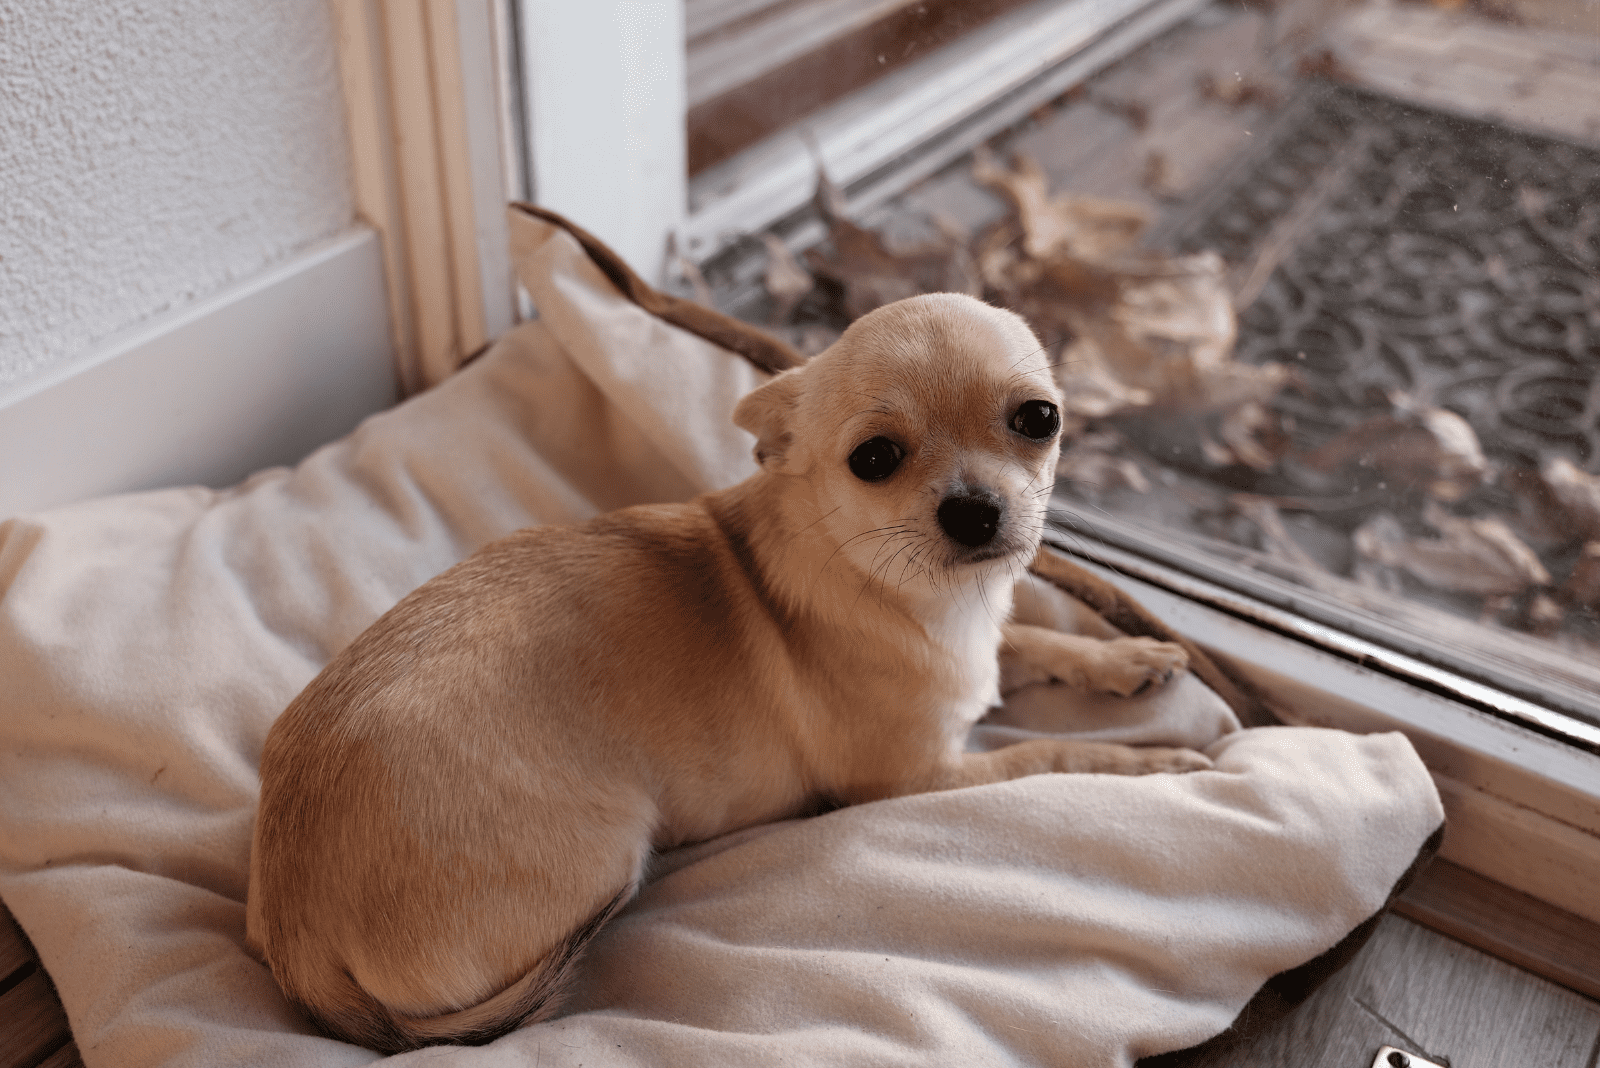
<point>33,1028</point>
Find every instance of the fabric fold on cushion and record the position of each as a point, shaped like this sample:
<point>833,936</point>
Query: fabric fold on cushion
<point>1077,919</point>
<point>147,642</point>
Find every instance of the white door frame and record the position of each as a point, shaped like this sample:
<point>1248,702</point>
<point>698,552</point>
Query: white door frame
<point>604,104</point>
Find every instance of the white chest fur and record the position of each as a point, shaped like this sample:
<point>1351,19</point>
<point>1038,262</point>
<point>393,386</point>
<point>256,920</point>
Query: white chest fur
<point>965,627</point>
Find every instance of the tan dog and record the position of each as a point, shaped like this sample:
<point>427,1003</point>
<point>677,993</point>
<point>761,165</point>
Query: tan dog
<point>464,795</point>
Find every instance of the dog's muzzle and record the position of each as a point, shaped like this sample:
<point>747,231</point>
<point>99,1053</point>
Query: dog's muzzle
<point>972,519</point>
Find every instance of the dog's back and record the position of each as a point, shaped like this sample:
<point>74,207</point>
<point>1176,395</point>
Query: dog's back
<point>488,756</point>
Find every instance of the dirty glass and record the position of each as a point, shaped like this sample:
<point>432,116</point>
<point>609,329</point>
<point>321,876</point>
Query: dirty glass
<point>1322,285</point>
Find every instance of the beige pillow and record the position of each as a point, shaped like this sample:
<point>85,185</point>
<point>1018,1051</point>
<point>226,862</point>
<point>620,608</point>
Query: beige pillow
<point>147,642</point>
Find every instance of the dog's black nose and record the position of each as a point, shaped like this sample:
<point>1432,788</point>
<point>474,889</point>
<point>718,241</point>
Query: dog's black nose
<point>973,520</point>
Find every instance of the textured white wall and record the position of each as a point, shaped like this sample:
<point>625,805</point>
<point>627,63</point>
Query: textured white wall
<point>151,152</point>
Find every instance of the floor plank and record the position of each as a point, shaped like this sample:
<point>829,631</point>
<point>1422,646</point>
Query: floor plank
<point>1420,991</point>
<point>15,953</point>
<point>1547,81</point>
<point>35,1026</point>
<point>1454,1002</point>
<point>65,1057</point>
<point>1328,1031</point>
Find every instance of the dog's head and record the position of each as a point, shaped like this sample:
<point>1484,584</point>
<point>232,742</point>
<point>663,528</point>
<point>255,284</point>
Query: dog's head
<point>926,439</point>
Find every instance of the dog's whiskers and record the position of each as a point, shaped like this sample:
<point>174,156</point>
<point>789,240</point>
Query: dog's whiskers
<point>1020,360</point>
<point>882,581</point>
<point>880,531</point>
<point>914,560</point>
<point>814,522</point>
<point>885,541</point>
<point>876,575</point>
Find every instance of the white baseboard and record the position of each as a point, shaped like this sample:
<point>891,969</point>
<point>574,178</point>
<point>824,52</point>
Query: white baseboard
<point>257,375</point>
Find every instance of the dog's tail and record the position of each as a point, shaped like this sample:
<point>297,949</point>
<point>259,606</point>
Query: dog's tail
<point>363,1019</point>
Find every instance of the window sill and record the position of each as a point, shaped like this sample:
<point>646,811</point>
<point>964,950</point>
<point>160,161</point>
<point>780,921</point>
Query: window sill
<point>1522,807</point>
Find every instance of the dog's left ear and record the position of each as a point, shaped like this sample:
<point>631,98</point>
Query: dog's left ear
<point>768,413</point>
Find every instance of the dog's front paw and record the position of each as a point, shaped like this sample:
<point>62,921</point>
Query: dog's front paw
<point>1130,666</point>
<point>1155,760</point>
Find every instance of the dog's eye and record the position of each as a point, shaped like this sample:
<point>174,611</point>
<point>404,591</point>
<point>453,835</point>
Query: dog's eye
<point>875,459</point>
<point>1036,419</point>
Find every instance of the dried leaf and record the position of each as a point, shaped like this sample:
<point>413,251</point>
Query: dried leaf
<point>1582,588</point>
<point>871,273</point>
<point>1082,227</point>
<point>1184,302</point>
<point>1543,615</point>
<point>1149,330</point>
<point>1166,333</point>
<point>1216,454</point>
<point>688,271</point>
<point>1476,556</point>
<point>1253,436</point>
<point>952,227</point>
<point>1541,520</point>
<point>1453,453</point>
<point>787,282</point>
<point>1432,445</point>
<point>1238,90</point>
<point>1275,536</point>
<point>1092,464</point>
<point>1492,540</point>
<point>1324,63</point>
<point>1090,388</point>
<point>1578,493</point>
<point>1000,265</point>
<point>1135,112</point>
<point>1156,176</point>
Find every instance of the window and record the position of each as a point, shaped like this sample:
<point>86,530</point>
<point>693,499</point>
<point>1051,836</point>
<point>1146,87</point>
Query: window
<point>1366,233</point>
<point>617,94</point>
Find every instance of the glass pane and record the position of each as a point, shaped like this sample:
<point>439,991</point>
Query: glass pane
<point>757,66</point>
<point>1324,286</point>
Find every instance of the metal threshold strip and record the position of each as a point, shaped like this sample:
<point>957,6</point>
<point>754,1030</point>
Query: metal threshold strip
<point>882,139</point>
<point>1307,617</point>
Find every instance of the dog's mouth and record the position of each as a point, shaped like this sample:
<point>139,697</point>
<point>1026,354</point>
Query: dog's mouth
<point>982,555</point>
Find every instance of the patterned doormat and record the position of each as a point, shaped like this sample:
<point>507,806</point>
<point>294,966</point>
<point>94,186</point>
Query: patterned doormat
<point>1453,260</point>
<point>1386,252</point>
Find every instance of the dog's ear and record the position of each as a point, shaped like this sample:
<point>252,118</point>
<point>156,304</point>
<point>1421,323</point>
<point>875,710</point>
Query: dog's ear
<point>768,413</point>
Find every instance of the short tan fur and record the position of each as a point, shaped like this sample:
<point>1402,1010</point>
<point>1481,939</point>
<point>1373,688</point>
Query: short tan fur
<point>459,801</point>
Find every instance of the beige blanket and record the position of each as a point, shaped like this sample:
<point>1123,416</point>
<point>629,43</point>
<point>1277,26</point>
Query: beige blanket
<point>148,641</point>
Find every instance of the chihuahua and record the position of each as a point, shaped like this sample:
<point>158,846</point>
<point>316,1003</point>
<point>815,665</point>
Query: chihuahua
<point>465,795</point>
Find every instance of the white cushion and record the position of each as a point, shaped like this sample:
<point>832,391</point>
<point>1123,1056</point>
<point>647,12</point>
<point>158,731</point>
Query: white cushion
<point>148,641</point>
